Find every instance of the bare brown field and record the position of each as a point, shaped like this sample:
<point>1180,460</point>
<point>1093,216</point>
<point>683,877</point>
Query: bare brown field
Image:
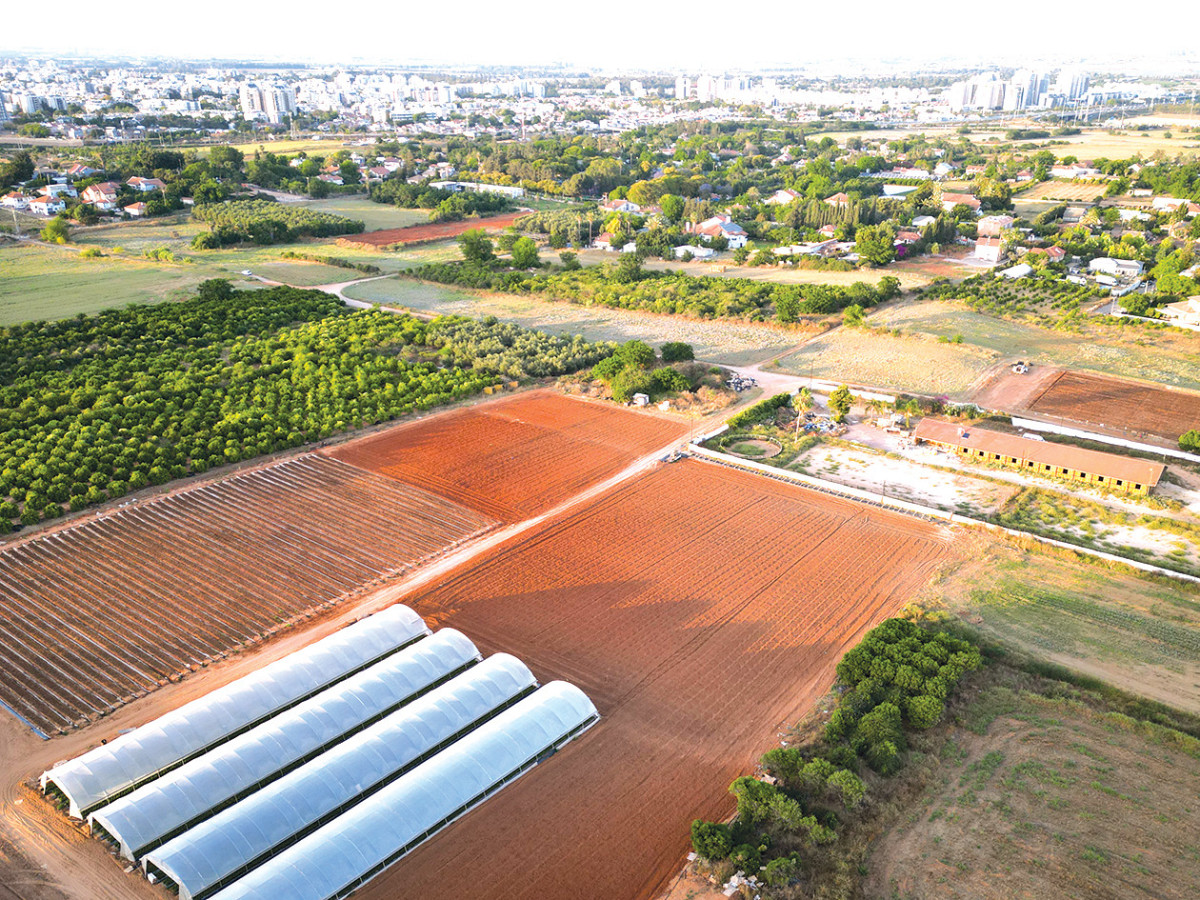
<point>419,234</point>
<point>98,613</point>
<point>515,457</point>
<point>702,609</point>
<point>1075,191</point>
<point>1126,406</point>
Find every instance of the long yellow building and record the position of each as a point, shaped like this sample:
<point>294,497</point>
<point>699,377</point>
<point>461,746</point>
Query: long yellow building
<point>1121,474</point>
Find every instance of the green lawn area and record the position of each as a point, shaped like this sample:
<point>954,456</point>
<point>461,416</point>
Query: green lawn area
<point>43,283</point>
<point>375,216</point>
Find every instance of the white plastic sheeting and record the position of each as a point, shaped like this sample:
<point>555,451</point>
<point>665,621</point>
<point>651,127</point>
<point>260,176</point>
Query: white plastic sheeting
<point>348,851</point>
<point>105,773</point>
<point>219,849</point>
<point>159,810</point>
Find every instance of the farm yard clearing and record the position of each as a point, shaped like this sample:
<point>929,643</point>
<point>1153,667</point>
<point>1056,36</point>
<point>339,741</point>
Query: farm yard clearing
<point>438,231</point>
<point>700,608</point>
<point>1057,189</point>
<point>1039,790</point>
<point>102,611</point>
<point>906,363</point>
<point>728,342</point>
<point>1159,356</point>
<point>515,457</point>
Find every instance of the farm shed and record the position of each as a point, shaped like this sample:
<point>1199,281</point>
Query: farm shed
<point>1121,474</point>
<point>118,767</point>
<point>157,811</point>
<point>218,851</point>
<point>348,851</point>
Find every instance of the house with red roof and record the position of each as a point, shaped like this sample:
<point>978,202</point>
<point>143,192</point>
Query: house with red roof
<point>102,195</point>
<point>841,199</point>
<point>46,206</point>
<point>135,210</point>
<point>783,197</point>
<point>949,201</point>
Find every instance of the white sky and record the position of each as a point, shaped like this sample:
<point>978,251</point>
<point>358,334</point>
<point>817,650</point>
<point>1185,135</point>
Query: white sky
<point>697,35</point>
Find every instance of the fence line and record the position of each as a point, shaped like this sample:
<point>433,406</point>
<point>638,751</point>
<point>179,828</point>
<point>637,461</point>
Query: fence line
<point>923,512</point>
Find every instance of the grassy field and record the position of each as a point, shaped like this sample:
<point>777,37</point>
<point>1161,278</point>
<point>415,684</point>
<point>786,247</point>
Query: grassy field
<point>38,282</point>
<point>1070,191</point>
<point>1150,355</point>
<point>1040,790</point>
<point>1139,633</point>
<point>906,363</point>
<point>1095,143</point>
<point>726,342</point>
<point>375,216</point>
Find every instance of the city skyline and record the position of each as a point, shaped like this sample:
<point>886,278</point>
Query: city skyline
<point>777,35</point>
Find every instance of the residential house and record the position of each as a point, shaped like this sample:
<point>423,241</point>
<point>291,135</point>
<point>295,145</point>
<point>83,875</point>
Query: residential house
<point>827,231</point>
<point>1185,312</point>
<point>783,197</point>
<point>1077,170</point>
<point>79,170</point>
<point>1021,270</point>
<point>1024,175</point>
<point>723,226</point>
<point>620,206</point>
<point>950,200</point>
<point>58,190</point>
<point>922,221</point>
<point>988,248</point>
<point>907,237</point>
<point>974,171</point>
<point>840,199</point>
<point>329,178</point>
<point>380,172</point>
<point>1117,268</point>
<point>101,196</point>
<point>603,241</point>
<point>145,185</point>
<point>1170,204</point>
<point>46,206</point>
<point>14,200</point>
<point>135,210</point>
<point>696,252</point>
<point>992,226</point>
<point>942,169</point>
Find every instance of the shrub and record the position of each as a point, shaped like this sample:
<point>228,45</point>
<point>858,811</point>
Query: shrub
<point>1190,440</point>
<point>711,839</point>
<point>677,351</point>
<point>924,711</point>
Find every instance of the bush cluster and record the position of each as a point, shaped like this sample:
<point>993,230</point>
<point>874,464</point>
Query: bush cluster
<point>666,292</point>
<point>897,678</point>
<point>759,412</point>
<point>265,222</point>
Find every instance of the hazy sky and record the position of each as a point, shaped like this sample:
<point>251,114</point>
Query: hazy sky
<point>698,35</point>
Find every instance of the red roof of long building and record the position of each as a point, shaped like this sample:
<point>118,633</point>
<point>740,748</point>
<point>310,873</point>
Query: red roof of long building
<point>1059,456</point>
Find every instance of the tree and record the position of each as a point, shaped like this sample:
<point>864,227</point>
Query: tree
<point>875,244</point>
<point>677,351</point>
<point>635,354</point>
<point>1190,440</point>
<point>570,261</point>
<point>852,316</point>
<point>57,231</point>
<point>476,247</point>
<point>629,268</point>
<point>840,401</point>
<point>524,253</point>
<point>672,207</point>
<point>711,839</point>
<point>214,289</point>
<point>318,189</point>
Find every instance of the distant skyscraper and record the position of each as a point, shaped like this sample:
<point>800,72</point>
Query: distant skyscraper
<point>682,91</point>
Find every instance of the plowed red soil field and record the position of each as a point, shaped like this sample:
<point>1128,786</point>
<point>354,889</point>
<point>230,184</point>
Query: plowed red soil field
<point>515,457</point>
<point>1139,410</point>
<point>701,608</point>
<point>97,613</point>
<point>418,234</point>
